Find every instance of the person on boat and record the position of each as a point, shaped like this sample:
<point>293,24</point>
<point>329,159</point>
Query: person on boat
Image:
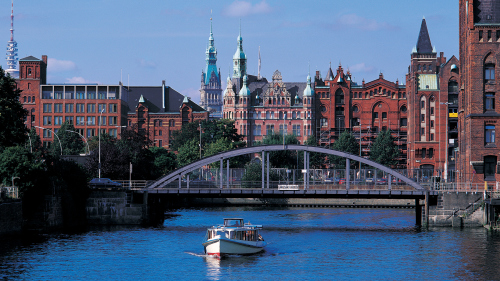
<point>260,238</point>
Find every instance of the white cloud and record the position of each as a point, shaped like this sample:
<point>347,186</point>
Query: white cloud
<point>78,80</point>
<point>243,8</point>
<point>147,64</point>
<point>358,22</point>
<point>55,65</point>
<point>192,93</point>
<point>361,67</point>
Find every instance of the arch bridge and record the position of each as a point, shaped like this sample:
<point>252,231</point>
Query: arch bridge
<point>177,174</point>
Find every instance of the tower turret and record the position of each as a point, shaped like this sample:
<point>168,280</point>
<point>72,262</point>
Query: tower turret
<point>239,60</point>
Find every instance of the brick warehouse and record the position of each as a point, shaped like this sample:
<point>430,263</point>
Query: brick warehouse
<point>155,110</point>
<point>479,108</point>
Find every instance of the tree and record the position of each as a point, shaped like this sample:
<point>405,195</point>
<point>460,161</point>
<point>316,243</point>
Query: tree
<point>316,160</point>
<point>114,162</point>
<point>72,143</point>
<point>222,145</point>
<point>346,143</point>
<point>384,150</point>
<point>188,153</point>
<point>12,114</point>
<point>164,161</point>
<point>253,173</point>
<point>281,159</point>
<point>17,161</point>
<point>211,131</point>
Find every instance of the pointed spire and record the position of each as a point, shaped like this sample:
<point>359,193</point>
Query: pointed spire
<point>329,75</point>
<point>308,91</point>
<point>186,100</point>
<point>244,90</point>
<point>424,41</point>
<point>141,99</point>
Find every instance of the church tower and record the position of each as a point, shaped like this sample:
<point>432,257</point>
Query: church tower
<point>211,91</point>
<point>239,60</point>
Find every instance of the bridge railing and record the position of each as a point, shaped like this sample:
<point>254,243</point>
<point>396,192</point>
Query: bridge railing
<point>317,185</point>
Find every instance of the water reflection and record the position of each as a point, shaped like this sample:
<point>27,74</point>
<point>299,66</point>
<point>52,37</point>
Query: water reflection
<point>216,266</point>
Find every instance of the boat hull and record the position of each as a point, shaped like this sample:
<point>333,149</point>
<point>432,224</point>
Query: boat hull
<point>224,246</point>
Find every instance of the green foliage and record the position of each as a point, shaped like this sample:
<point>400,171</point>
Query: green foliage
<point>281,159</point>
<point>188,153</point>
<point>384,150</point>
<point>222,145</point>
<point>253,173</point>
<point>346,143</point>
<point>12,114</point>
<point>316,160</point>
<point>211,131</point>
<point>17,161</point>
<point>164,161</point>
<point>72,143</point>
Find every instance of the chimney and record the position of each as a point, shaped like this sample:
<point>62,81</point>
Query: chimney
<point>44,58</point>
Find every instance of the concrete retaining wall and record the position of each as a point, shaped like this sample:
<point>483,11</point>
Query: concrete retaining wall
<point>11,217</point>
<point>297,202</point>
<point>111,208</point>
<point>457,210</point>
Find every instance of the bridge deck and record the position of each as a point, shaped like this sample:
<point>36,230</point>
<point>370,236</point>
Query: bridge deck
<point>275,193</point>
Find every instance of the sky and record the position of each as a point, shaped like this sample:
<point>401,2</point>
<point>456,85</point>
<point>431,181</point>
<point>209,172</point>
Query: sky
<point>142,43</point>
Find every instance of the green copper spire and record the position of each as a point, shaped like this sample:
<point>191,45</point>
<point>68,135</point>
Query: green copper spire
<point>239,59</point>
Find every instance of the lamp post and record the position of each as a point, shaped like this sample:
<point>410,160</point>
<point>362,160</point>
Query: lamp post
<point>60,145</point>
<point>200,139</point>
<point>100,117</point>
<point>446,138</point>
<point>88,148</point>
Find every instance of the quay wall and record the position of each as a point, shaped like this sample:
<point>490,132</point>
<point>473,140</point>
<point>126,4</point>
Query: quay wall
<point>11,217</point>
<point>458,209</point>
<point>114,208</point>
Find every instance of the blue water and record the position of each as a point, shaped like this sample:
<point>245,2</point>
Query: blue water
<point>303,244</point>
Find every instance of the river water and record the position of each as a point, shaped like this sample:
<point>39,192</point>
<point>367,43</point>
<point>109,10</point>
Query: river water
<point>303,244</point>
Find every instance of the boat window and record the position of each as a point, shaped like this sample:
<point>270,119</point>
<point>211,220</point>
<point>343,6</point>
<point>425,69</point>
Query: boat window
<point>233,222</point>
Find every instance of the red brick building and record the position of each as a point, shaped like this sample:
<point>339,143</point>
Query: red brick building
<point>158,111</point>
<point>364,110</point>
<point>91,106</point>
<point>432,87</point>
<point>479,108</point>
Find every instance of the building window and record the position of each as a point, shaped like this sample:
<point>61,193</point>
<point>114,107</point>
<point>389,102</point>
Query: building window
<point>90,120</point>
<point>101,107</point>
<point>80,108</point>
<point>424,152</point>
<point>80,96</point>
<point>489,101</point>
<point>422,117</point>
<point>489,134</point>
<point>422,131</point>
<point>323,122</point>
<point>296,130</point>
<point>29,71</point>
<point>339,97</point>
<point>285,130</point>
<point>102,120</point>
<point>47,120</point>
<point>355,121</point>
<point>490,165</point>
<point>113,132</point>
<point>69,108</point>
<point>375,115</point>
<point>355,109</point>
<point>384,115</point>
<point>90,108</point>
<point>432,110</point>
<point>160,143</point>
<point>113,108</point>
<point>269,129</point>
<point>422,104</point>
<point>489,73</point>
<point>58,108</point>
<point>90,133</point>
<point>47,133</point>
<point>432,137</point>
<point>432,123</point>
<point>80,120</point>
<point>47,108</point>
<point>431,152</point>
<point>68,119</point>
<point>257,130</point>
<point>58,120</point>
<point>112,120</point>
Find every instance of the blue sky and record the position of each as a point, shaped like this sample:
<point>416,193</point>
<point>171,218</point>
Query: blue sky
<point>149,41</point>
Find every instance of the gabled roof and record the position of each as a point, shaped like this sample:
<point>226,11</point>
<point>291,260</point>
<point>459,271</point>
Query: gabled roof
<point>30,58</point>
<point>154,99</point>
<point>424,41</point>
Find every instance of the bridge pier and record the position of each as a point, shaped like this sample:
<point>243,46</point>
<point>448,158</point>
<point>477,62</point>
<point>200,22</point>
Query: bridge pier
<point>221,174</point>
<point>263,162</point>
<point>418,212</point>
<point>347,172</point>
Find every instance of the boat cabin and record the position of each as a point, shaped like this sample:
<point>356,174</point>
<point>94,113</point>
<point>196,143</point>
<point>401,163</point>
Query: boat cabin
<point>233,222</point>
<point>235,234</point>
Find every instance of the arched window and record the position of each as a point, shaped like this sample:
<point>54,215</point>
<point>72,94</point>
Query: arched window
<point>489,73</point>
<point>339,97</point>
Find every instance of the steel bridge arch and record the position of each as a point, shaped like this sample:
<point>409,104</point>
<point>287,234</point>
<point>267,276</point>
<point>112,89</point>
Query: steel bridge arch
<point>176,174</point>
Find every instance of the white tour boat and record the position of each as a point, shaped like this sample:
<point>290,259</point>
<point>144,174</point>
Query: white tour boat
<point>233,237</point>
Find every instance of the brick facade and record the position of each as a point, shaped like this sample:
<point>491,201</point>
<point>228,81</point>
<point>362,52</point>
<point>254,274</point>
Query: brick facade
<point>479,107</point>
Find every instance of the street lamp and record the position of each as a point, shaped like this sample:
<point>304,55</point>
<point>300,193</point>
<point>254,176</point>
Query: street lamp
<point>100,117</point>
<point>88,148</point>
<point>60,145</point>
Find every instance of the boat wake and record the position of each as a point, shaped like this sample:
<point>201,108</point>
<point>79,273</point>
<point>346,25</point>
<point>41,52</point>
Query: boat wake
<point>198,255</point>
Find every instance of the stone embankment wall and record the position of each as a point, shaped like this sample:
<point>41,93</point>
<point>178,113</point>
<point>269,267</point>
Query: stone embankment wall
<point>298,202</point>
<point>457,210</point>
<point>114,208</point>
<point>11,217</point>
